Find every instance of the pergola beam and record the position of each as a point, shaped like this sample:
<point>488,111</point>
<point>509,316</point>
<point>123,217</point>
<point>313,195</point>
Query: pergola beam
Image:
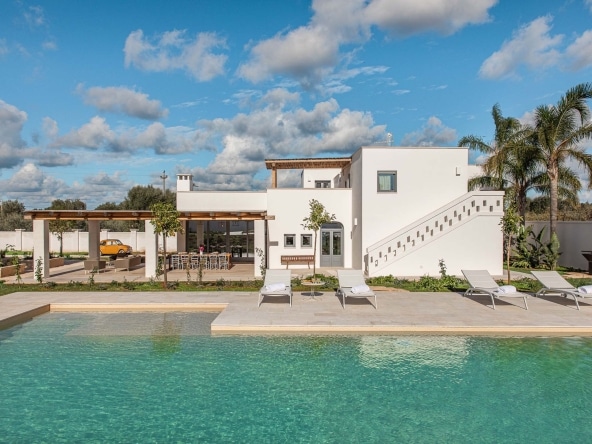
<point>98,215</point>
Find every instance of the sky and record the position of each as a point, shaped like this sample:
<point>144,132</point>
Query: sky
<point>99,96</point>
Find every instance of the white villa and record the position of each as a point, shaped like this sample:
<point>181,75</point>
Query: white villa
<point>398,211</point>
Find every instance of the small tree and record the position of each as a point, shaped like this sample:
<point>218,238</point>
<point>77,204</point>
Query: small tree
<point>511,224</point>
<point>165,220</point>
<point>315,220</point>
<point>59,227</point>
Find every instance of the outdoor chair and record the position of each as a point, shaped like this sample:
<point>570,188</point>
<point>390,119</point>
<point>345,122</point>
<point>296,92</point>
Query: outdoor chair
<point>353,285</point>
<point>554,283</point>
<point>481,283</point>
<point>223,261</point>
<point>183,261</point>
<point>94,265</point>
<point>277,283</point>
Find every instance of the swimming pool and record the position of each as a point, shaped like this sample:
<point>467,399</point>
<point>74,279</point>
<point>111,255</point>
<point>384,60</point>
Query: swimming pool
<point>149,377</point>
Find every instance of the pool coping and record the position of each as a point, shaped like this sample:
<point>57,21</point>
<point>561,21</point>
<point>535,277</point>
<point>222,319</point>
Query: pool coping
<point>398,313</point>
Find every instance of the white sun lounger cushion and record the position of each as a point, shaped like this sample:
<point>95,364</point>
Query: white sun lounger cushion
<point>275,287</point>
<point>506,289</point>
<point>585,289</point>
<point>362,288</point>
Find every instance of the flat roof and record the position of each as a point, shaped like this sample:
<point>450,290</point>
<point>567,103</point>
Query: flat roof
<point>142,215</point>
<point>307,163</point>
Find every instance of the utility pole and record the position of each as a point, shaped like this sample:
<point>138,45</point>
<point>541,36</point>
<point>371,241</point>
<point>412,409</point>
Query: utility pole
<point>164,178</point>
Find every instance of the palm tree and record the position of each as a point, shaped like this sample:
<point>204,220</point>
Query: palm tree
<point>558,131</point>
<point>512,163</point>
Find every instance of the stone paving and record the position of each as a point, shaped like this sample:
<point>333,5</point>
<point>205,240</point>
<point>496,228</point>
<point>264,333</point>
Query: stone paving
<point>398,312</point>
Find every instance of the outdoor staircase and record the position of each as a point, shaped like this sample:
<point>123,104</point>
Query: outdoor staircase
<point>432,227</point>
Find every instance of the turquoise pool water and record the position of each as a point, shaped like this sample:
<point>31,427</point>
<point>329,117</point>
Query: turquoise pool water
<point>162,378</point>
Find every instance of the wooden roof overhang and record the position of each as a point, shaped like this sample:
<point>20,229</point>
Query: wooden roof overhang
<point>302,164</point>
<point>142,215</point>
<point>309,163</point>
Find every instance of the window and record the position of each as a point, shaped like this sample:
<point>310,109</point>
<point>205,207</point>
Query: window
<point>289,240</point>
<point>306,240</point>
<point>387,181</point>
<point>322,184</point>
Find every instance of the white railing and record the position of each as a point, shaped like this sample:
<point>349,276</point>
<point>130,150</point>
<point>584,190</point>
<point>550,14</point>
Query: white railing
<point>431,227</point>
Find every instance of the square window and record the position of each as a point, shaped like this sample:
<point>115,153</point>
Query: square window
<point>306,240</point>
<point>387,181</point>
<point>290,240</point>
<point>322,184</point>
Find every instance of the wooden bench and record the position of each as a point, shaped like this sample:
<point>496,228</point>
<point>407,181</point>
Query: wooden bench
<point>297,259</point>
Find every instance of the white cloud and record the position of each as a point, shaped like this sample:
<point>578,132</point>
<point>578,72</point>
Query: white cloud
<point>173,51</point>
<point>532,45</point>
<point>93,135</point>
<point>3,47</point>
<point>12,146</point>
<point>49,45</point>
<point>588,4</point>
<point>278,128</point>
<point>97,135</point>
<point>404,17</point>
<point>306,53</point>
<point>433,133</point>
<point>34,16</point>
<point>123,100</point>
<point>580,51</point>
<point>310,53</point>
<point>54,159</point>
<point>50,128</point>
<point>38,189</point>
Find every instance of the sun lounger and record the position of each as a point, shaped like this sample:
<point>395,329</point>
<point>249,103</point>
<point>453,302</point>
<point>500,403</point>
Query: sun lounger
<point>554,283</point>
<point>353,285</point>
<point>481,282</point>
<point>277,283</point>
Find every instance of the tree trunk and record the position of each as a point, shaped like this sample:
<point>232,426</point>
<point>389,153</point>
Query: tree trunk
<point>314,256</point>
<point>508,250</point>
<point>522,207</point>
<point>164,264</point>
<point>553,204</point>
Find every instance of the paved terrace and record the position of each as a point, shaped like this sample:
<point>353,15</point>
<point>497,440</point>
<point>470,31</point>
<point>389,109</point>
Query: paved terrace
<point>398,312</point>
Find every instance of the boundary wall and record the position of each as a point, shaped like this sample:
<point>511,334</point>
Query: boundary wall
<point>574,237</point>
<point>77,241</point>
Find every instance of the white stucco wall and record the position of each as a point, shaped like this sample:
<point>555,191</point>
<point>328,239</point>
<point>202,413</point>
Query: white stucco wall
<point>221,201</point>
<point>476,245</point>
<point>309,176</point>
<point>291,206</point>
<point>427,178</point>
<point>77,241</point>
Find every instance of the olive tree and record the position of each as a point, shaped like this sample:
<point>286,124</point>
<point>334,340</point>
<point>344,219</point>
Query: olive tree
<point>165,220</point>
<point>317,217</point>
<point>511,224</point>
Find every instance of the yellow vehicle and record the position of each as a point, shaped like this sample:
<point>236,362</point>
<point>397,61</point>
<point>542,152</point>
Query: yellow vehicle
<point>114,247</point>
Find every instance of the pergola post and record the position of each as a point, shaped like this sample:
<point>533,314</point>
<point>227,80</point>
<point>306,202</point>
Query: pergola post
<point>94,238</point>
<point>274,177</point>
<point>41,245</point>
<point>151,259</point>
<point>182,239</point>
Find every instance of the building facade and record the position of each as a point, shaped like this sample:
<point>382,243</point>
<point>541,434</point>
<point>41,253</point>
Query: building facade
<point>398,211</point>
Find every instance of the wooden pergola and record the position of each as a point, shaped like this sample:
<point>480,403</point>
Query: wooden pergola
<point>41,219</point>
<point>301,164</point>
<point>139,215</point>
